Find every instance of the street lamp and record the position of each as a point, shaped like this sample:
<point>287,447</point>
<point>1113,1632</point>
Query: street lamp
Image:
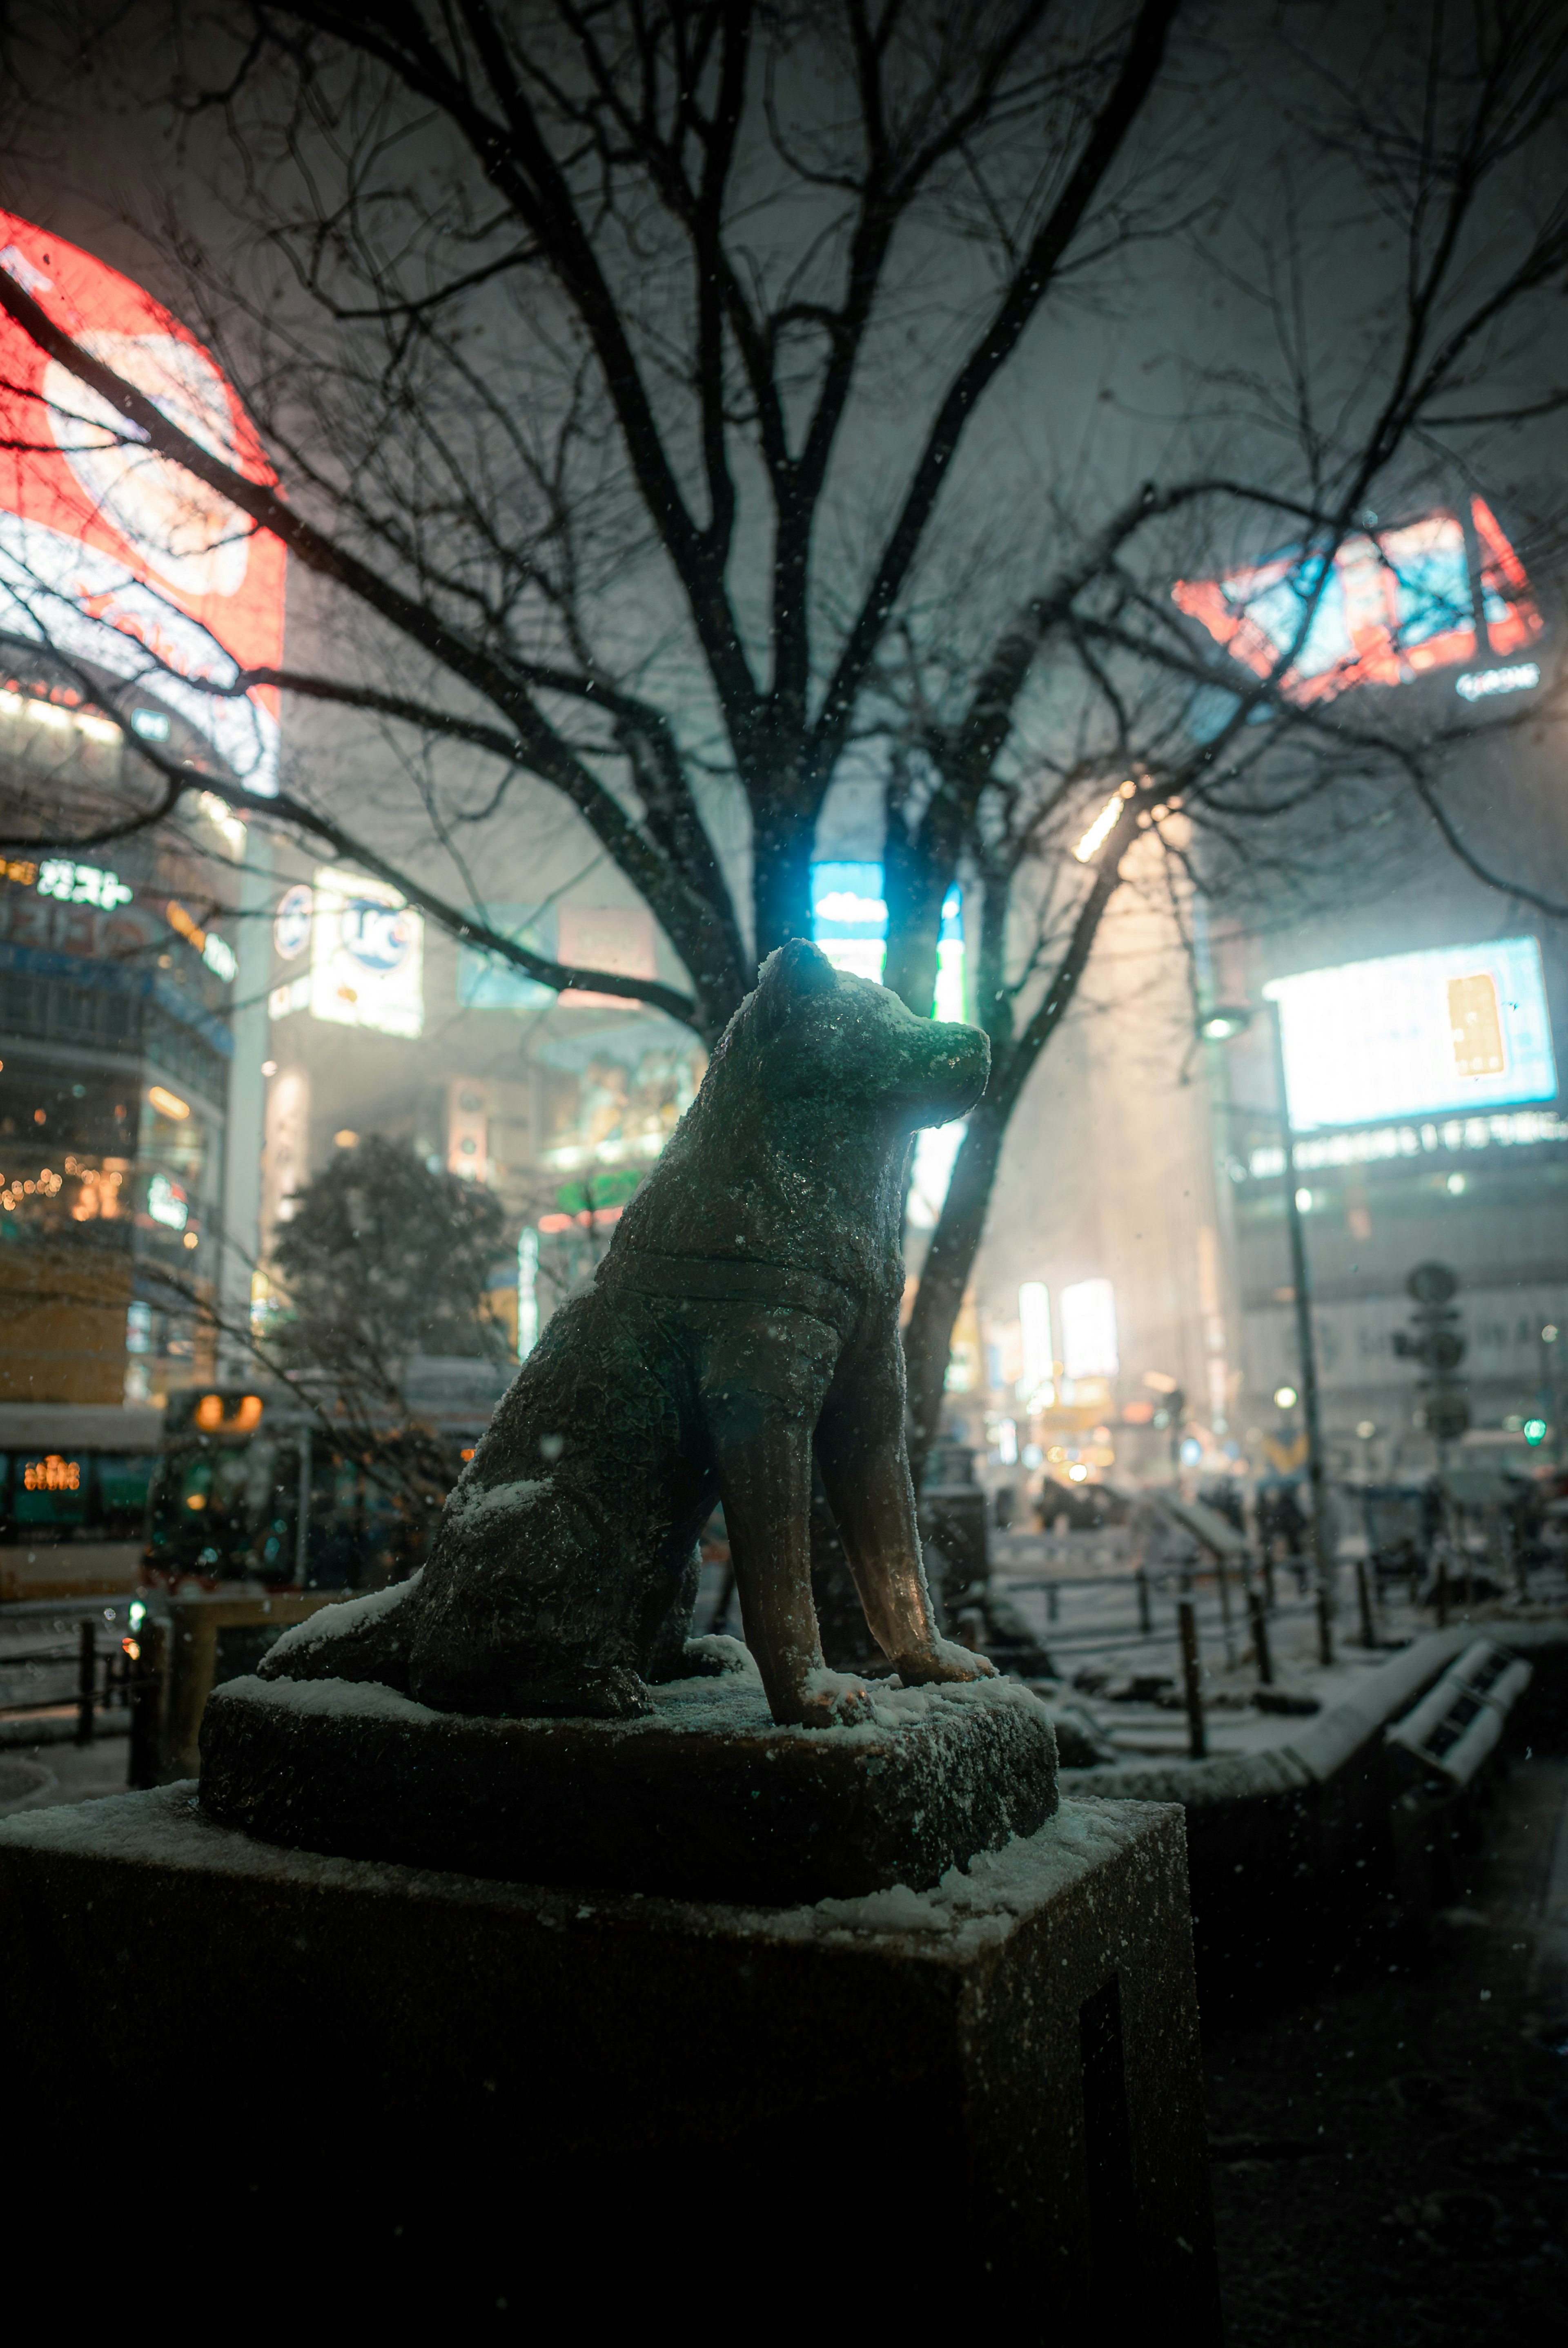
<point>1223,1024</point>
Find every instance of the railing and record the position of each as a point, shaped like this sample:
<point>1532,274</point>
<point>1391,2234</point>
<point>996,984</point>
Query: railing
<point>102,1676</point>
<point>1243,1593</point>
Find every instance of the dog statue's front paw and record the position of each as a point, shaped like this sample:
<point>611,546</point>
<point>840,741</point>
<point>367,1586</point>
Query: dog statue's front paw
<point>830,1699</point>
<point>942,1660</point>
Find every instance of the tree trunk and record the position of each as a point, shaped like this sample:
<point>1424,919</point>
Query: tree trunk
<point>954,1242</point>
<point>916,887</point>
<point>944,1277</point>
<point>782,837</point>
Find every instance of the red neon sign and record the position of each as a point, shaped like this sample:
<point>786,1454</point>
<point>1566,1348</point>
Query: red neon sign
<point>112,554</point>
<point>1389,608</point>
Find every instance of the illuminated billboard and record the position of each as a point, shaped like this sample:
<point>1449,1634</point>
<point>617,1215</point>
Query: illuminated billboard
<point>485,983</point>
<point>1388,609</point>
<point>849,923</point>
<point>1089,1348</point>
<point>1458,1027</point>
<point>115,556</point>
<point>367,956</point>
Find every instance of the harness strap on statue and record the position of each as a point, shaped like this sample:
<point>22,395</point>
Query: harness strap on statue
<point>732,1282</point>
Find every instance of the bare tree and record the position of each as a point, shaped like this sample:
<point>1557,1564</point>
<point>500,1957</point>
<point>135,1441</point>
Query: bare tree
<point>623,371</point>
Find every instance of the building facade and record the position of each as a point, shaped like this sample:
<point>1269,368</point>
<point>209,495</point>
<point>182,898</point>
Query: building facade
<point>116,972</point>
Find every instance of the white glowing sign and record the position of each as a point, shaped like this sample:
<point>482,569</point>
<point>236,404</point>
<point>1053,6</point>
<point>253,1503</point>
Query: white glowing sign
<point>936,1148</point>
<point>1457,1027</point>
<point>849,923</point>
<point>82,884</point>
<point>528,1292</point>
<point>167,1204</point>
<point>1034,1330</point>
<point>1089,1330</point>
<point>1482,683</point>
<point>367,956</point>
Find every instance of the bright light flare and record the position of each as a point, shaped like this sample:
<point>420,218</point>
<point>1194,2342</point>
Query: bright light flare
<point>1103,825</point>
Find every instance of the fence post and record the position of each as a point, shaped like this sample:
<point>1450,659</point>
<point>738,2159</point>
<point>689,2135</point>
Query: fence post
<point>86,1682</point>
<point>1192,1681</point>
<point>1325,1619</point>
<point>1229,1635</point>
<point>1364,1594</point>
<point>1261,1655</point>
<point>1145,1615</point>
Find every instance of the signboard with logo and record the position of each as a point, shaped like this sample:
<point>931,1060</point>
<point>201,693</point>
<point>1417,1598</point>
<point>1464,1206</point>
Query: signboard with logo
<point>292,923</point>
<point>115,556</point>
<point>618,938</point>
<point>367,956</point>
<point>1457,1027</point>
<point>1388,607</point>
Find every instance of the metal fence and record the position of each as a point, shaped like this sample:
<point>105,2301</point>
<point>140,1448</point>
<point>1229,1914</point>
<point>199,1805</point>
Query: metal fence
<point>91,1672</point>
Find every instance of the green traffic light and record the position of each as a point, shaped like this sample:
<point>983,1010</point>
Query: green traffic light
<point>1535,1430</point>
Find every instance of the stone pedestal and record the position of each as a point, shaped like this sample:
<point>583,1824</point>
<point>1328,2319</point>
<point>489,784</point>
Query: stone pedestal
<point>356,2087</point>
<point>705,1797</point>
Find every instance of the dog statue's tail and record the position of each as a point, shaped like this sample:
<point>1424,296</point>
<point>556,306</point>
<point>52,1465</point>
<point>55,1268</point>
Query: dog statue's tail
<point>366,1638</point>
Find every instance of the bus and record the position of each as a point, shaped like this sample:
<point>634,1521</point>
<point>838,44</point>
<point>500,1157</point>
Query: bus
<point>260,1510</point>
<point>74,1485</point>
<point>253,1486</point>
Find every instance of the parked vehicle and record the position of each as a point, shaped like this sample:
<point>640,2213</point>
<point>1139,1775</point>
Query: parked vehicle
<point>258,1512</point>
<point>255,1486</point>
<point>75,1471</point>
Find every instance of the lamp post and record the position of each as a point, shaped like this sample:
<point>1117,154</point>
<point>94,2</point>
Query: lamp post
<point>1551,1338</point>
<point>1221,1026</point>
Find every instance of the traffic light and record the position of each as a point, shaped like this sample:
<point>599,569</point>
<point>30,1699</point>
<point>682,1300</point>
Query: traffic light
<point>1440,1350</point>
<point>1437,1344</point>
<point>1534,1431</point>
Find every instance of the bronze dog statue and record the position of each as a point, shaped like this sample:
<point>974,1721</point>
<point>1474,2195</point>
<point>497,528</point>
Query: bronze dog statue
<point>747,1312</point>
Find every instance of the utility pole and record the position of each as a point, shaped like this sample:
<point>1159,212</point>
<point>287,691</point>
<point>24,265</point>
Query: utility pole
<point>1307,1355</point>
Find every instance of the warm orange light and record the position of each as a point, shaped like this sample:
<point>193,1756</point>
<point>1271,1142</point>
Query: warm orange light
<point>191,932</point>
<point>131,1649</point>
<point>196,1499</point>
<point>210,1411</point>
<point>166,1102</point>
<point>469,1453</point>
<point>53,1475</point>
<point>248,1413</point>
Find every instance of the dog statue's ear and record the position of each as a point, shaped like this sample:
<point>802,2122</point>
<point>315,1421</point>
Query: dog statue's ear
<point>793,973</point>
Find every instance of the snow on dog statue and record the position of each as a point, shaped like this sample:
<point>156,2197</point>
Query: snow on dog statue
<point>746,1312</point>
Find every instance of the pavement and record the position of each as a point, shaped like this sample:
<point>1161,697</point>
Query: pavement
<point>1390,2157</point>
<point>37,1777</point>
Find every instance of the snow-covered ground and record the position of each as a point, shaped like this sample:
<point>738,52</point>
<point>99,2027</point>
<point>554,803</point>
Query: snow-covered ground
<point>1087,1618</point>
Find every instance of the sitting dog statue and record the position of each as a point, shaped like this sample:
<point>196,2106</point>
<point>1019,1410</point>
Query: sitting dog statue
<point>747,1311</point>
